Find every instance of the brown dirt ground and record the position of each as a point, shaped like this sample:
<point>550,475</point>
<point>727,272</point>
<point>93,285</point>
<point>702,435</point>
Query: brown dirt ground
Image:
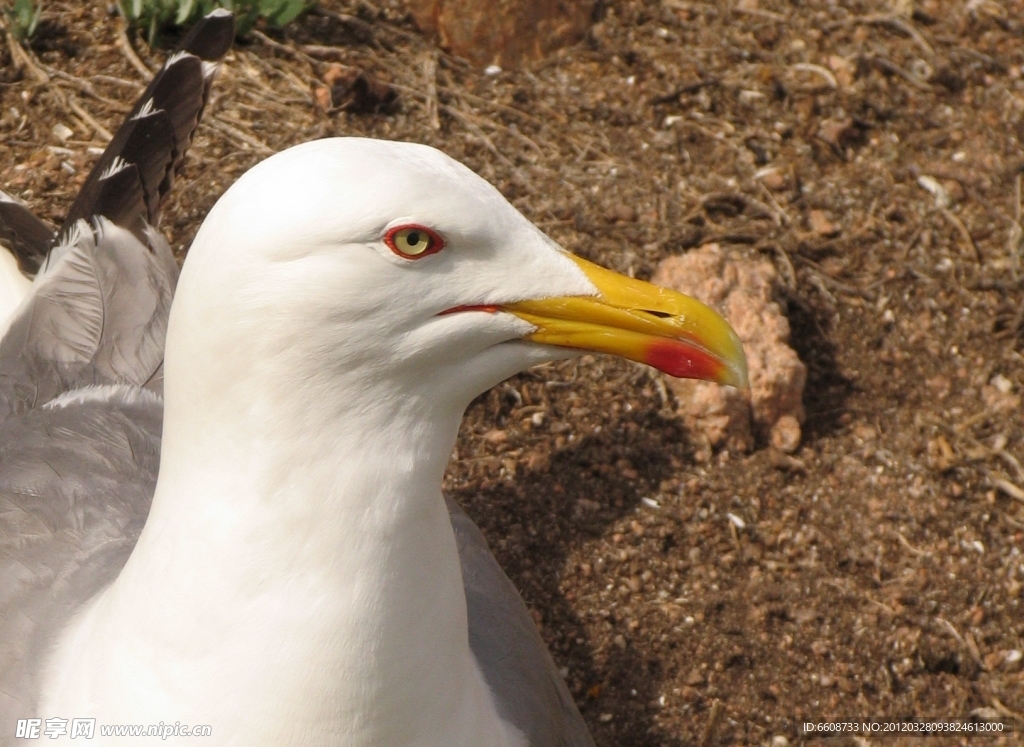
<point>878,575</point>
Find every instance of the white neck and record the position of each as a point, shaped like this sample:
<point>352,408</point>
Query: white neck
<point>280,593</point>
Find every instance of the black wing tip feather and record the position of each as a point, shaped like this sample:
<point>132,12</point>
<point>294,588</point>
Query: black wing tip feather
<point>151,148</point>
<point>179,92</point>
<point>121,199</point>
<point>27,237</point>
<point>211,38</point>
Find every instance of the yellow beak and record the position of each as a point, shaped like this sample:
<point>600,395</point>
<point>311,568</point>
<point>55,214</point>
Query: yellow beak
<point>642,322</point>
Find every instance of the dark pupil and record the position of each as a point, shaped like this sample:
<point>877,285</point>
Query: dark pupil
<point>413,238</point>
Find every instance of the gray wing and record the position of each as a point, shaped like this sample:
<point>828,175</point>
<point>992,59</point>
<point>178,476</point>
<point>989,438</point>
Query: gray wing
<point>79,440</point>
<point>528,689</point>
<point>97,317</point>
<point>80,372</point>
<point>76,481</point>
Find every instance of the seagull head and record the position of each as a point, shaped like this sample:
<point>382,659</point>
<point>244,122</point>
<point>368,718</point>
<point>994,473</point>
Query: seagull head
<point>376,261</point>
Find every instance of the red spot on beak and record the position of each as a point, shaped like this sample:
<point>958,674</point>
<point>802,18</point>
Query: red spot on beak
<point>683,361</point>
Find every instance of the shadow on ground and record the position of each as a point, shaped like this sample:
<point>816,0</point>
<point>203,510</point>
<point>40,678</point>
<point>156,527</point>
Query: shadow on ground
<point>536,520</point>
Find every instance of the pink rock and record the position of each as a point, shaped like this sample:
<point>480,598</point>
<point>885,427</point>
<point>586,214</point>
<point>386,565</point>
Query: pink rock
<point>503,32</point>
<point>743,290</point>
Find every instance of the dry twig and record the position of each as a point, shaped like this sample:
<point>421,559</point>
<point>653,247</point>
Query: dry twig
<point>964,233</point>
<point>818,70</point>
<point>129,53</point>
<point>712,725</point>
<point>100,130</point>
<point>23,59</point>
<point>1009,488</point>
<point>430,74</point>
<point>906,543</point>
<point>85,87</point>
<point>888,66</point>
<point>236,134</point>
<point>758,13</point>
<point>1006,711</point>
<point>892,22</point>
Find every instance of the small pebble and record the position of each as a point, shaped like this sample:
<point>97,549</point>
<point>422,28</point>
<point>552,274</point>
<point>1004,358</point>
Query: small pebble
<point>620,212</point>
<point>785,434</point>
<point>932,185</point>
<point>695,678</point>
<point>772,178</point>
<point>1003,384</point>
<point>986,714</point>
<point>62,131</point>
<point>750,98</point>
<point>820,223</point>
<point>836,131</point>
<point>322,94</point>
<point>496,437</point>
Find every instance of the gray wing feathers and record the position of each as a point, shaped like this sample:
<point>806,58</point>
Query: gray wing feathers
<point>76,482</point>
<point>97,317</point>
<point>79,442</point>
<point>513,657</point>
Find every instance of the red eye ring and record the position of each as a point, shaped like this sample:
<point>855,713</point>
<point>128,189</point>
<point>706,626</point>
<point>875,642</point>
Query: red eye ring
<point>413,241</point>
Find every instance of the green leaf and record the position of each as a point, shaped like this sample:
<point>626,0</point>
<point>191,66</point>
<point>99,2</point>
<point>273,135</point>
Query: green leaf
<point>24,17</point>
<point>35,21</point>
<point>155,15</point>
<point>184,11</point>
<point>289,11</point>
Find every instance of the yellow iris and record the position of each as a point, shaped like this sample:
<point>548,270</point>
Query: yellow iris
<point>412,241</point>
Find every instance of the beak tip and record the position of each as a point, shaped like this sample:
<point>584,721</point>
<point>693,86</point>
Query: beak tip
<point>739,380</point>
<point>738,374</point>
<point>735,378</point>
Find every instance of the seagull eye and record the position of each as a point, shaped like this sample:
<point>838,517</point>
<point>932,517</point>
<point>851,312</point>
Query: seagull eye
<point>413,242</point>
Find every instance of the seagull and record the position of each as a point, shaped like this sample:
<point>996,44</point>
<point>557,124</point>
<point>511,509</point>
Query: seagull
<point>224,511</point>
